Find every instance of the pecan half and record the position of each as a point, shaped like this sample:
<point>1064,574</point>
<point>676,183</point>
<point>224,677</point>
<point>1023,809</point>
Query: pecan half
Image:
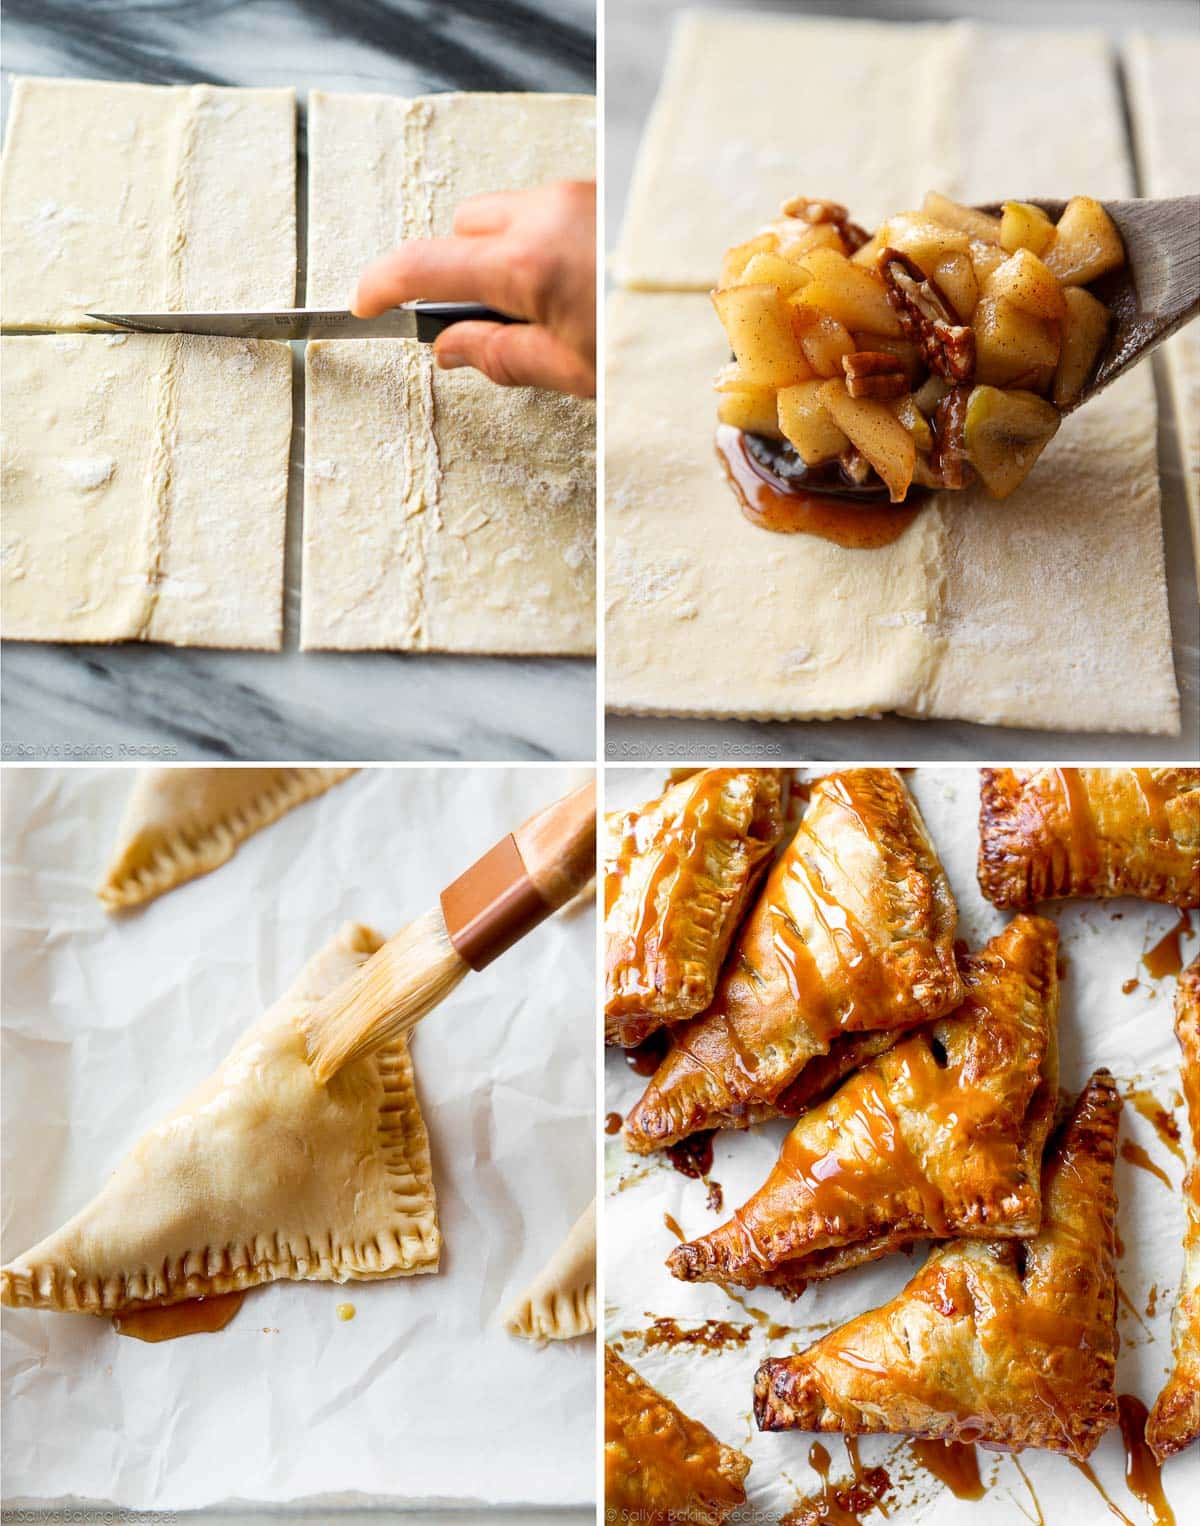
<point>927,317</point>
<point>874,373</point>
<point>949,455</point>
<point>811,209</point>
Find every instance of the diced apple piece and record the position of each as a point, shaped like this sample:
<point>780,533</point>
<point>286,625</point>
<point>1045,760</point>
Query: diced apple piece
<point>762,334</point>
<point>767,269</point>
<point>1005,433</point>
<point>979,225</point>
<point>1025,281</point>
<point>869,253</point>
<point>955,275</point>
<point>824,340</point>
<point>986,258</point>
<point>906,352</point>
<point>737,258</point>
<point>1087,243</point>
<point>930,393</point>
<point>1083,333</point>
<point>922,239</point>
<point>797,238</point>
<point>855,297</point>
<point>1011,345</point>
<point>751,409</point>
<point>807,423</point>
<point>1024,226</point>
<point>875,431</point>
<point>914,421</point>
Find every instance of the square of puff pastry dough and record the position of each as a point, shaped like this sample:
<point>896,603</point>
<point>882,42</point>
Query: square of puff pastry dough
<point>853,933</point>
<point>1174,1421</point>
<point>182,822</point>
<point>1046,834</point>
<point>1011,1344</point>
<point>441,512</point>
<point>260,1174</point>
<point>659,1464</point>
<point>940,1136</point>
<point>145,198</point>
<point>678,875</point>
<point>145,489</point>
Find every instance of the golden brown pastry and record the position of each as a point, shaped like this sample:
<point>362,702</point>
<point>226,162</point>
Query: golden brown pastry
<point>1174,1421</point>
<point>853,933</point>
<point>678,874</point>
<point>1008,1343</point>
<point>941,1136</point>
<point>260,1174</point>
<point>1050,833</point>
<point>183,822</point>
<point>659,1465</point>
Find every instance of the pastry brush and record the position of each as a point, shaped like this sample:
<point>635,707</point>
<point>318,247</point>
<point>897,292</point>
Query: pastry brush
<point>505,894</point>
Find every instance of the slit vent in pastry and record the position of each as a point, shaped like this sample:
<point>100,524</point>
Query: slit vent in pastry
<point>260,1174</point>
<point>560,1303</point>
<point>1010,1344</point>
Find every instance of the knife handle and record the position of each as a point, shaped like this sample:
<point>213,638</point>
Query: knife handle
<point>433,317</point>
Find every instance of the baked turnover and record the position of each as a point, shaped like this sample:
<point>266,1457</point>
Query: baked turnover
<point>1050,833</point>
<point>853,934</point>
<point>1009,1343</point>
<point>941,1136</point>
<point>678,875</point>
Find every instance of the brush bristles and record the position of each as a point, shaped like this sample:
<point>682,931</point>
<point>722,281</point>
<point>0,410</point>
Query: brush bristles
<point>387,997</point>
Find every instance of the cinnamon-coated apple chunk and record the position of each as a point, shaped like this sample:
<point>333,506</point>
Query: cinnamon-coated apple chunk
<point>875,431</point>
<point>808,424</point>
<point>762,335</point>
<point>1005,433</point>
<point>1086,244</point>
<point>1084,328</point>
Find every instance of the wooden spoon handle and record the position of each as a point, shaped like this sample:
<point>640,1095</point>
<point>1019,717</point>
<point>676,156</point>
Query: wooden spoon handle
<point>558,846</point>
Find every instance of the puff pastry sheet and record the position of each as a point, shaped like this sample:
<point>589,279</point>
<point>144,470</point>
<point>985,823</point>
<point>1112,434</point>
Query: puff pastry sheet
<point>182,822</point>
<point>145,198</point>
<point>260,1175</point>
<point>560,1303</point>
<point>951,620</point>
<point>1009,1344</point>
<point>145,489</point>
<point>441,513</point>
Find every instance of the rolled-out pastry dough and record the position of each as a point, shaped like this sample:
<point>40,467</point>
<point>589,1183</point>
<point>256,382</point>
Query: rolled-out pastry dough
<point>1047,610</point>
<point>183,822</point>
<point>145,489</point>
<point>443,513</point>
<point>260,1174</point>
<point>385,168</point>
<point>143,198</point>
<point>560,1302</point>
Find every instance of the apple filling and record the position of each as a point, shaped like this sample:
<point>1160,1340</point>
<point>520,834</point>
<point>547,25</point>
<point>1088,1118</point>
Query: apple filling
<point>939,352</point>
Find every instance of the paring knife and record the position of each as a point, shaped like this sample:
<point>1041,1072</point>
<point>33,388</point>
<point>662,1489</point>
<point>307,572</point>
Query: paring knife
<point>423,321</point>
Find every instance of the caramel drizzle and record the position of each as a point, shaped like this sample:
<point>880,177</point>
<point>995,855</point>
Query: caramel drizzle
<point>194,1316</point>
<point>1136,1156</point>
<point>1143,1476</point>
<point>1154,797</point>
<point>953,1463</point>
<point>1082,845</point>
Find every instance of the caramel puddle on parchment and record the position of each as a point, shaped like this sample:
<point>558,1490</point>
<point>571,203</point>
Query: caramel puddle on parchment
<point>196,1316</point>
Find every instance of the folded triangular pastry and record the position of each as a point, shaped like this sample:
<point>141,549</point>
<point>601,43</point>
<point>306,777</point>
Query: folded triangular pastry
<point>678,874</point>
<point>853,933</point>
<point>941,1136</point>
<point>1050,833</point>
<point>660,1465</point>
<point>182,822</point>
<point>261,1174</point>
<point>1008,1343</point>
<point>1174,1421</point>
<point>560,1302</point>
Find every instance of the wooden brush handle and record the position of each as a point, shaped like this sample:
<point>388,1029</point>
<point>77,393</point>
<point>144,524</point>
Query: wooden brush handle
<point>558,846</point>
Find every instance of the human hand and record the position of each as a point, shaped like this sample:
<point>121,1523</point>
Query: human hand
<point>530,254</point>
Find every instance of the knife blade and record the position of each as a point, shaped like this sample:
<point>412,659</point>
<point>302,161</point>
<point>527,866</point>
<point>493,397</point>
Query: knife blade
<point>422,321</point>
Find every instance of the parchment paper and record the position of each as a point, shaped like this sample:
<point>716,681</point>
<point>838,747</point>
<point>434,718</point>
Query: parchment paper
<point>422,1396</point>
<point>1101,947</point>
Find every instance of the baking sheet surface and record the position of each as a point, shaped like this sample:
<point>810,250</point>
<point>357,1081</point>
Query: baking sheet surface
<point>1101,948</point>
<point>422,1397</point>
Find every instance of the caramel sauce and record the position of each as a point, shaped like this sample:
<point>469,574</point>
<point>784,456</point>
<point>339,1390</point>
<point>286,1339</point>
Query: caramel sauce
<point>613,1123</point>
<point>1153,1111</point>
<point>1114,1509</point>
<point>1136,1156</point>
<point>1028,1482</point>
<point>712,1335</point>
<point>1154,797</point>
<point>954,1463</point>
<point>195,1316</point>
<point>714,1199</point>
<point>831,507</point>
<point>1128,987</point>
<point>1125,1301</point>
<point>842,1504</point>
<point>1143,1477</point>
<point>1081,827</point>
<point>693,1156</point>
<point>1152,1301</point>
<point>673,1225</point>
<point>1166,957</point>
<point>647,1056</point>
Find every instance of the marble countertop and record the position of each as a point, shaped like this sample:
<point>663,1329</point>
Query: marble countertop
<point>636,37</point>
<point>137,701</point>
